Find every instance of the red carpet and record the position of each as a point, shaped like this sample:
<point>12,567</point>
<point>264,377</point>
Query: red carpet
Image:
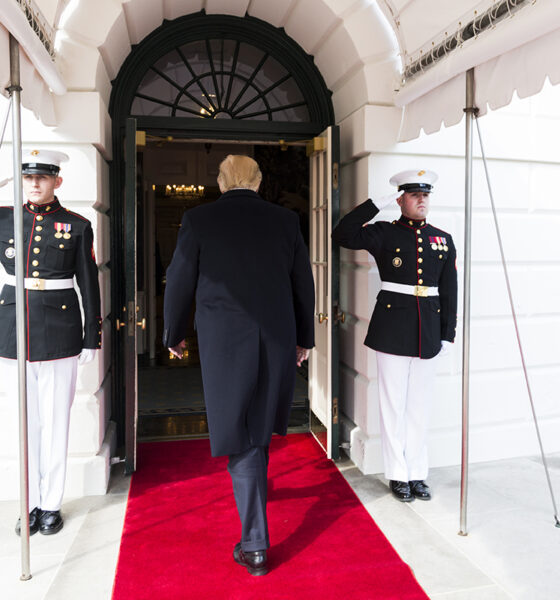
<point>181,525</point>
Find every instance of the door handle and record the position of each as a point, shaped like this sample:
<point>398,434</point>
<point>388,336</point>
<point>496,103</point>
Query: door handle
<point>142,323</point>
<point>323,317</point>
<point>120,324</point>
<point>339,316</point>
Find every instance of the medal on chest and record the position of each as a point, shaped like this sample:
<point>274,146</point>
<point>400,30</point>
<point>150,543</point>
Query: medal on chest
<point>438,243</point>
<point>63,227</point>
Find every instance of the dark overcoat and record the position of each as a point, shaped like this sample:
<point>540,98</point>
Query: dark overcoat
<point>413,253</point>
<point>54,321</point>
<point>244,261</point>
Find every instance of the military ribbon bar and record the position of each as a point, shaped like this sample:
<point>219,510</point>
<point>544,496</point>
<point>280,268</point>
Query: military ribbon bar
<point>438,240</point>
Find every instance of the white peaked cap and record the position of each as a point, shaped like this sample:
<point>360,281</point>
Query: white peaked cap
<point>35,161</point>
<point>414,180</point>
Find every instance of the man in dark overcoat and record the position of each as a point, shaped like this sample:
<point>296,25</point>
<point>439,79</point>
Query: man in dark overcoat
<point>58,250</point>
<point>245,263</point>
<point>413,321</point>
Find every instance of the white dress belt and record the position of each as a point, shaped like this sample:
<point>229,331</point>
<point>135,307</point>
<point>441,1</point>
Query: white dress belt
<point>34,283</point>
<point>414,290</point>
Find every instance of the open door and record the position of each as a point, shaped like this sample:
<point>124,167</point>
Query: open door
<point>323,152</point>
<point>129,318</point>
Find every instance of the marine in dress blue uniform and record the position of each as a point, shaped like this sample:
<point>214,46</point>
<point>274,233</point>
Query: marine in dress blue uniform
<point>58,247</point>
<point>415,316</point>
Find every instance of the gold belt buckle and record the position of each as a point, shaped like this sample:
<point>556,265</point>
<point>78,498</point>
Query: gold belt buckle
<point>38,284</point>
<point>421,290</point>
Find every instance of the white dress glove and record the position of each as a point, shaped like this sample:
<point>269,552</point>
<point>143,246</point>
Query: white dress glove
<point>86,355</point>
<point>445,346</point>
<point>384,201</point>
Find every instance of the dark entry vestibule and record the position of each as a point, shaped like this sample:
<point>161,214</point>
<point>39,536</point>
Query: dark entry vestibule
<point>170,392</point>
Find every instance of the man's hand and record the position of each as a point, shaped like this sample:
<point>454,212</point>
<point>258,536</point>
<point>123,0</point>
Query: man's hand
<point>86,355</point>
<point>386,200</point>
<point>301,355</point>
<point>178,349</point>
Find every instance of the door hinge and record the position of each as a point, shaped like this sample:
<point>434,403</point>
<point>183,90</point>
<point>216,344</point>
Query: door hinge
<point>131,319</point>
<point>335,410</point>
<point>335,176</point>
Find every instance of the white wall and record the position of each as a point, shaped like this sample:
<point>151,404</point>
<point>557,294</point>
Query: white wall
<point>524,162</point>
<point>92,437</point>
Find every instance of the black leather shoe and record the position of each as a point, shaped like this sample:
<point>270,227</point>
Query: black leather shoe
<point>50,522</point>
<point>254,561</point>
<point>34,517</point>
<point>401,491</point>
<point>420,490</point>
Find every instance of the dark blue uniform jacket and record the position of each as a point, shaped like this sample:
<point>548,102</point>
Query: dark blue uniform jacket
<point>54,321</point>
<point>413,253</point>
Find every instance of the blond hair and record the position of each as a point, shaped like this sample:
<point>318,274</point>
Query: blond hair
<point>239,171</point>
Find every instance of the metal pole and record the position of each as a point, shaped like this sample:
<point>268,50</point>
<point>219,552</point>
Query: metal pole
<point>469,110</point>
<point>15,92</point>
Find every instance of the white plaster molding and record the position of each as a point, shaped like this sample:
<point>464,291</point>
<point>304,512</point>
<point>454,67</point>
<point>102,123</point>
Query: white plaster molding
<point>275,13</point>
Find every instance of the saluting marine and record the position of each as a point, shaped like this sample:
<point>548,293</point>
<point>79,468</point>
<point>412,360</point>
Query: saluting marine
<point>414,319</point>
<point>58,247</point>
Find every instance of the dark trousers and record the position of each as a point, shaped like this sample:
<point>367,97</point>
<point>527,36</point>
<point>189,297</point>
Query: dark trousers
<point>248,472</point>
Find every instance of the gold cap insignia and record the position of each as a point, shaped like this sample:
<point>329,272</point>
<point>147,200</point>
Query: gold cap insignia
<point>420,173</point>
<point>34,152</point>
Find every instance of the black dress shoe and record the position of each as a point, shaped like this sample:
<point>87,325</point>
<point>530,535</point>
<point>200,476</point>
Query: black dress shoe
<point>401,491</point>
<point>254,561</point>
<point>34,517</point>
<point>50,522</point>
<point>420,490</point>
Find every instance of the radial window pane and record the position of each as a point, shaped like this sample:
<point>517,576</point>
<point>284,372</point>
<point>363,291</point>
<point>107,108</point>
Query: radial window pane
<point>249,58</point>
<point>172,67</point>
<point>140,106</point>
<point>196,56</point>
<point>256,110</point>
<point>157,88</point>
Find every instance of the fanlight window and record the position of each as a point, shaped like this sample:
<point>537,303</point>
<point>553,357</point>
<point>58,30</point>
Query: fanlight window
<point>220,79</point>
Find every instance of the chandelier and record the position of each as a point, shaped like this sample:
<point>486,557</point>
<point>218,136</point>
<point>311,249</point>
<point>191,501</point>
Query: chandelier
<point>187,191</point>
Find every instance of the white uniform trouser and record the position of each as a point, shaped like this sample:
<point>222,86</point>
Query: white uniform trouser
<point>406,386</point>
<point>50,391</point>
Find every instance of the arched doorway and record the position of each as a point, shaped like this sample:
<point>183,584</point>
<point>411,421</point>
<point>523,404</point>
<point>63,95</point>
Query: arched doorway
<point>193,86</point>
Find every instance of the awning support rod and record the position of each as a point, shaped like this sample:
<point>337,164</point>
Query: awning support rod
<point>470,111</point>
<point>15,93</point>
<point>514,315</point>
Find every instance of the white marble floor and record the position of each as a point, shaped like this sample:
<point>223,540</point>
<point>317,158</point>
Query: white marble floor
<point>512,550</point>
<point>77,563</point>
